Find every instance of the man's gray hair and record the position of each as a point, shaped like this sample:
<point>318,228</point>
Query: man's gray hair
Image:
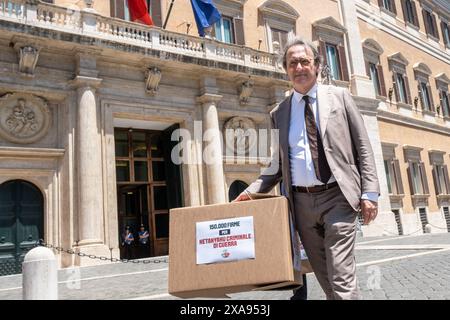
<point>295,41</point>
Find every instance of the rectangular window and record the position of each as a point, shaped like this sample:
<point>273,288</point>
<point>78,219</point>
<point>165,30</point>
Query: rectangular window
<point>425,96</point>
<point>224,30</point>
<point>333,61</point>
<point>393,178</point>
<point>375,77</point>
<point>423,218</point>
<point>401,87</point>
<point>409,14</point>
<point>398,221</point>
<point>387,4</point>
<point>417,178</point>
<point>447,217</point>
<point>279,36</point>
<point>440,176</point>
<point>417,184</point>
<point>446,33</point>
<point>389,176</point>
<point>445,103</point>
<point>430,23</point>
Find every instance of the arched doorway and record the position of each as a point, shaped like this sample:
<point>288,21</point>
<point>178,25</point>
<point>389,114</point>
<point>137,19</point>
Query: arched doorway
<point>235,189</point>
<point>21,223</point>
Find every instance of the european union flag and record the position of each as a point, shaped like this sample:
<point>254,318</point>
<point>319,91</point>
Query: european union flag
<point>206,14</point>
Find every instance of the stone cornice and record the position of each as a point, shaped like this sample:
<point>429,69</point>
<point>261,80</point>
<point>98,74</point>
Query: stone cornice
<point>412,122</point>
<point>81,82</point>
<point>31,152</point>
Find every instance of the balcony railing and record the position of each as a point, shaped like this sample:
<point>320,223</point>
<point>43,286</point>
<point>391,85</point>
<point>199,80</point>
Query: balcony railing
<point>89,23</point>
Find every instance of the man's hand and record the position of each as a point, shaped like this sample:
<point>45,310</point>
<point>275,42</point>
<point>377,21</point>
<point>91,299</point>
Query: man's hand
<point>369,211</point>
<point>242,197</point>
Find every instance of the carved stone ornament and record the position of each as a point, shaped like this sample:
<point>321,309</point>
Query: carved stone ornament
<point>24,118</point>
<point>28,57</point>
<point>240,132</point>
<point>245,92</point>
<point>153,77</point>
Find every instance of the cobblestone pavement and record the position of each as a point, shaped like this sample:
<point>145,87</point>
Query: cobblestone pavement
<point>406,267</point>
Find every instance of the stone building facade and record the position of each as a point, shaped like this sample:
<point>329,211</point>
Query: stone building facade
<point>89,103</point>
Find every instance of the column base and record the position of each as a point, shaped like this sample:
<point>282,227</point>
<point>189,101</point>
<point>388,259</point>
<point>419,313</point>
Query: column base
<point>97,250</point>
<point>384,225</point>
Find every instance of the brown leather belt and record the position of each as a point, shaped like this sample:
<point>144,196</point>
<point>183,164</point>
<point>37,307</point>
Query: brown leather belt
<point>315,189</point>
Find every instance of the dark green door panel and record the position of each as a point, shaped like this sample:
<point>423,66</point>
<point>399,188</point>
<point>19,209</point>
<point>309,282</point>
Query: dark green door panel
<point>21,223</point>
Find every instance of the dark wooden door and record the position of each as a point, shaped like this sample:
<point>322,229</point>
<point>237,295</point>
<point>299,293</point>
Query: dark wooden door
<point>21,223</point>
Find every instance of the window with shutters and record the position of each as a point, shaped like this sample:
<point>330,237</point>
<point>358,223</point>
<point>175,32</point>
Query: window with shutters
<point>410,12</point>
<point>445,103</point>
<point>400,83</point>
<point>429,20</point>
<point>223,30</point>
<point>445,27</point>
<point>442,84</point>
<point>388,5</point>
<point>330,35</point>
<point>119,9</point>
<point>418,182</point>
<point>280,20</point>
<point>230,29</point>
<point>401,88</point>
<point>332,58</point>
<point>422,73</point>
<point>392,170</point>
<point>440,172</point>
<point>372,51</point>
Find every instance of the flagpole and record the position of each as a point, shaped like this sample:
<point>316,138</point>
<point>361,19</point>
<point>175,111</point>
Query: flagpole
<point>168,14</point>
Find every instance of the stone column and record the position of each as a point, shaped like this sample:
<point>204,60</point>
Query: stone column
<point>365,97</point>
<point>385,223</point>
<point>213,155</point>
<point>360,82</point>
<point>89,160</point>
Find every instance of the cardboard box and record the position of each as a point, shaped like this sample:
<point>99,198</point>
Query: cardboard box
<point>271,267</point>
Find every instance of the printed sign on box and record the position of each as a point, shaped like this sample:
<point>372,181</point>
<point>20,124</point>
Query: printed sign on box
<point>225,240</point>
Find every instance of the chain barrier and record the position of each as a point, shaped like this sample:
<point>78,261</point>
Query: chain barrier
<point>102,258</point>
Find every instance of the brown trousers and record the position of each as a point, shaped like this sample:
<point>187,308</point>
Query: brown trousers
<point>327,228</point>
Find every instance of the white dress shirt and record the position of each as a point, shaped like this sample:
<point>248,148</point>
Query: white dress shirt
<point>301,164</point>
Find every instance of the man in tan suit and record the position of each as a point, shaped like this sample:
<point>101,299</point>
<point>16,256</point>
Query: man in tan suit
<point>327,167</point>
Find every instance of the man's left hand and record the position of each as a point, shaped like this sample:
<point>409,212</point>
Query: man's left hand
<point>369,210</point>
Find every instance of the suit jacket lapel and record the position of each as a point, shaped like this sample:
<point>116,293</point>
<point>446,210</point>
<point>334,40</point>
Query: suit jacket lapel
<point>283,121</point>
<point>324,107</point>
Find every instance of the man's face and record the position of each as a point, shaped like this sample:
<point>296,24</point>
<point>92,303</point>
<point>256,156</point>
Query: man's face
<point>300,68</point>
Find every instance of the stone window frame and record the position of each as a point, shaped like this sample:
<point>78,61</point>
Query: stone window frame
<point>442,84</point>
<point>372,52</point>
<point>437,162</point>
<point>392,11</point>
<point>388,150</point>
<point>397,65</point>
<point>422,75</point>
<point>234,10</point>
<point>430,30</point>
<point>279,16</point>
<point>415,23</point>
<point>445,25</point>
<point>330,31</point>
<point>413,158</point>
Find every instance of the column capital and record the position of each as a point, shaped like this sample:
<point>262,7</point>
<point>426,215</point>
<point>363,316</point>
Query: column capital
<point>83,82</point>
<point>209,98</point>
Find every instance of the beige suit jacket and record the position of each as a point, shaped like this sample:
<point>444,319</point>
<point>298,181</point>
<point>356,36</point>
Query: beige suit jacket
<point>345,140</point>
